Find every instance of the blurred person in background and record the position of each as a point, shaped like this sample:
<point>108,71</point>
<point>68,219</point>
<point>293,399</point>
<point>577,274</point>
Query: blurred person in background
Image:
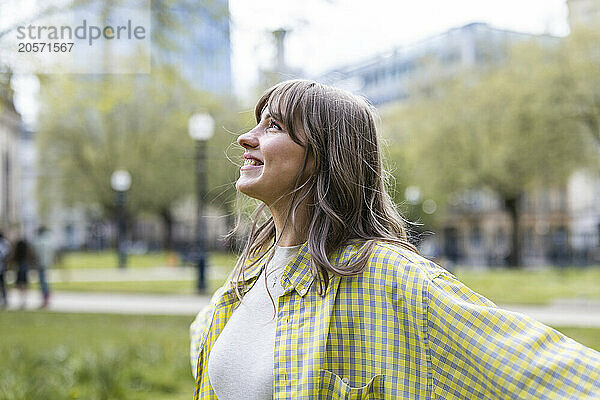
<point>4,253</point>
<point>329,299</point>
<point>45,253</point>
<point>22,256</point>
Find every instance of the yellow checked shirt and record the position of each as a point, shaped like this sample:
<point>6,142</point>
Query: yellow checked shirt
<point>405,328</point>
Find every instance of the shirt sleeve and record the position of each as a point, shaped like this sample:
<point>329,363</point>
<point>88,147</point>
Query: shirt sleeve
<point>477,350</point>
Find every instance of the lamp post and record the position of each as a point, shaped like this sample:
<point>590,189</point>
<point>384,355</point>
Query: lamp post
<point>120,181</point>
<point>201,128</point>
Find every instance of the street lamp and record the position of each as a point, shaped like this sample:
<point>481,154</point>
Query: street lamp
<point>201,128</point>
<point>412,194</point>
<point>120,181</point>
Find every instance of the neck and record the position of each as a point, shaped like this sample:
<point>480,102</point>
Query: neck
<point>288,233</point>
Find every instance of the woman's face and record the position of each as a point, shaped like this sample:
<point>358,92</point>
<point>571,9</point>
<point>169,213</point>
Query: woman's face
<point>272,161</point>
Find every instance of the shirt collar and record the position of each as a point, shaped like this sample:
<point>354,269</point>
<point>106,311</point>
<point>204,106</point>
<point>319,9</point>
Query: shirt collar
<point>296,273</point>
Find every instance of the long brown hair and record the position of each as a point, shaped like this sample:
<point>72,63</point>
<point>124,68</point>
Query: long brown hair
<point>346,194</point>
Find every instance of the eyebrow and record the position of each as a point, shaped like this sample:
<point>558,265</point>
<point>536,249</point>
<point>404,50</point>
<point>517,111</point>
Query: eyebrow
<point>265,115</point>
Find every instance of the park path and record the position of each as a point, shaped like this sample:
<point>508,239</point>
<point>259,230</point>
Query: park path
<point>113,303</point>
<point>118,303</point>
<point>579,314</point>
<point>562,313</point>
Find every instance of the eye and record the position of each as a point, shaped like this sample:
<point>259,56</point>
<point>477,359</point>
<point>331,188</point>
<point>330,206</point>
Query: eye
<point>274,125</point>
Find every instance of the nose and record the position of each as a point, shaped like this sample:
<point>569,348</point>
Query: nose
<point>248,140</point>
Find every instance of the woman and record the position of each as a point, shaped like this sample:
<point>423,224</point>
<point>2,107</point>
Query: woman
<point>330,301</point>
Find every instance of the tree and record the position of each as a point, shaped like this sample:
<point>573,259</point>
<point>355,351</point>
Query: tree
<point>504,128</point>
<point>91,127</point>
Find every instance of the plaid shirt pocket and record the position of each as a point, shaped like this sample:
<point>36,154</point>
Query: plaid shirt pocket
<point>333,387</point>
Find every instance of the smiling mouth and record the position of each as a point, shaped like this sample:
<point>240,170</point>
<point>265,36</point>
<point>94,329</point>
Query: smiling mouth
<point>252,161</point>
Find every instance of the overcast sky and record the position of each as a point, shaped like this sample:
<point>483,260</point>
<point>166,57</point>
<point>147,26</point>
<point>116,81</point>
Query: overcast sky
<point>326,34</point>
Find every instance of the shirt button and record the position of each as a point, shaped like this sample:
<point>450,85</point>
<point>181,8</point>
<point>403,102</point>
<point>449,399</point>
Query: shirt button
<point>345,380</point>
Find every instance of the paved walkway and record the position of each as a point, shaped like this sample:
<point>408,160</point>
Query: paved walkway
<point>564,313</point>
<point>117,303</point>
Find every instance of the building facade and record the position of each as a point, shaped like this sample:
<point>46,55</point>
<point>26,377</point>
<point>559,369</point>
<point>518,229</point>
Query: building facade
<point>391,77</point>
<point>202,52</point>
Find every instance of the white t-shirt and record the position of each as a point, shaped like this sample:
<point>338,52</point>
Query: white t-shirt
<point>240,364</point>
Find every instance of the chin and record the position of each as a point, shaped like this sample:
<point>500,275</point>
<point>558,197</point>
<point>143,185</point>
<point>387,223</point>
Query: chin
<point>246,188</point>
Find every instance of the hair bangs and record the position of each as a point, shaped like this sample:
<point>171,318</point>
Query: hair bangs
<point>286,103</point>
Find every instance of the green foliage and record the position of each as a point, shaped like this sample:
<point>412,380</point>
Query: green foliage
<point>503,128</point>
<point>70,356</point>
<point>94,124</point>
<point>580,65</point>
<point>91,127</point>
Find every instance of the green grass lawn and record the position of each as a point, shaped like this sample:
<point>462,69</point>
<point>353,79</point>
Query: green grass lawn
<point>534,287</point>
<point>94,357</point>
<point>108,259</point>
<point>587,336</point>
<point>101,357</point>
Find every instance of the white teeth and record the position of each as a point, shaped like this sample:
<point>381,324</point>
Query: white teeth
<point>251,161</point>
